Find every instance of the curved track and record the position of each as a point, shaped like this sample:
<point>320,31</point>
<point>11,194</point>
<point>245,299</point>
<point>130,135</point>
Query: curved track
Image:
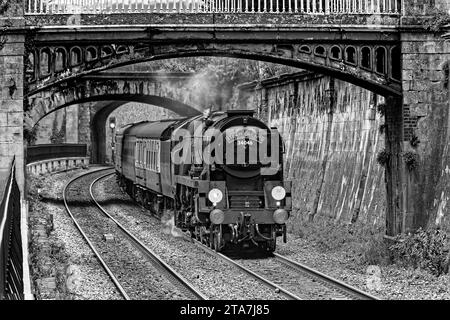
<point>125,276</point>
<point>288,294</point>
<point>89,242</point>
<point>299,277</point>
<point>293,279</point>
<point>332,283</point>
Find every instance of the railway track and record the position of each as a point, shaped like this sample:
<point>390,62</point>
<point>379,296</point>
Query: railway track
<point>286,293</point>
<point>330,282</point>
<point>136,271</point>
<point>293,279</point>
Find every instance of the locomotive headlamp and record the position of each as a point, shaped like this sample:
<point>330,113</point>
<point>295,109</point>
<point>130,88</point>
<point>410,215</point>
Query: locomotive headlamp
<point>215,196</point>
<point>216,216</point>
<point>278,193</point>
<point>280,216</point>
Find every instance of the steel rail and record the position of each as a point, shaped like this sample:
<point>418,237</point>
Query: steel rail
<point>147,251</point>
<point>233,263</point>
<point>102,262</point>
<point>229,261</point>
<point>342,287</point>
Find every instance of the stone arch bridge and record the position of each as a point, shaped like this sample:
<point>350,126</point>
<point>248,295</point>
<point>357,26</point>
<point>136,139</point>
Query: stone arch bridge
<point>167,90</point>
<point>396,48</point>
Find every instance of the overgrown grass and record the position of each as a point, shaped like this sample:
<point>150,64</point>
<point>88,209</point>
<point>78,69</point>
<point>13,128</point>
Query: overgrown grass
<point>49,257</point>
<point>360,243</point>
<point>427,250</point>
<point>424,249</point>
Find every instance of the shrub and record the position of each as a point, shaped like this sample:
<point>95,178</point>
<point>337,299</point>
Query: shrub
<point>414,141</point>
<point>361,243</point>
<point>411,160</point>
<point>4,4</point>
<point>428,250</point>
<point>375,251</point>
<point>383,157</point>
<point>381,108</point>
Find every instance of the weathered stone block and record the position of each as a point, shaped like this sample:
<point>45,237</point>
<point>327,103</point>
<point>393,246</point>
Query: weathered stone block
<point>13,48</point>
<point>15,119</point>
<point>11,106</point>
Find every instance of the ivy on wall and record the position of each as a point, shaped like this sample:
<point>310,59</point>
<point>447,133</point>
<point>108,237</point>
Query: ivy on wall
<point>432,18</point>
<point>383,157</point>
<point>411,160</point>
<point>4,5</point>
<point>438,19</point>
<point>59,135</point>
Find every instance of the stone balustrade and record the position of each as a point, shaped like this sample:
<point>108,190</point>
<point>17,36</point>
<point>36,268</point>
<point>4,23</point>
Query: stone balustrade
<point>52,165</point>
<point>39,7</point>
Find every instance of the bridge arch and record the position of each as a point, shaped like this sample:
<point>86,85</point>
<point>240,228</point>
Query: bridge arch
<point>359,57</point>
<point>176,106</point>
<point>379,81</point>
<point>117,86</point>
<point>99,143</point>
<point>105,105</point>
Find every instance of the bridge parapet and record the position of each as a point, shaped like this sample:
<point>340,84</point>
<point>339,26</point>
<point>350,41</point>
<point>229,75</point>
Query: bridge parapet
<point>52,157</point>
<point>310,7</point>
<point>52,165</point>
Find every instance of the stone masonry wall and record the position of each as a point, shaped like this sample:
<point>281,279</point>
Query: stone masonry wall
<point>11,92</point>
<point>61,126</point>
<point>73,124</point>
<point>426,106</point>
<point>331,146</point>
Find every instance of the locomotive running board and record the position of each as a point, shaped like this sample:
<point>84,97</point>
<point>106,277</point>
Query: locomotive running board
<point>190,182</point>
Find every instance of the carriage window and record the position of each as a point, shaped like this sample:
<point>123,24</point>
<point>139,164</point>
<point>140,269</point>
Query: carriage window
<point>153,156</point>
<point>144,153</point>
<point>139,153</point>
<point>157,156</point>
<point>136,152</point>
<point>150,159</point>
<point>148,154</point>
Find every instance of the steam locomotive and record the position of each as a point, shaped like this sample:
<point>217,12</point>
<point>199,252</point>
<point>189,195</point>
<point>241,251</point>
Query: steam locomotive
<point>220,174</point>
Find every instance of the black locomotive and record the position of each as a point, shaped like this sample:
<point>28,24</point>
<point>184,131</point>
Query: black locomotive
<point>221,174</point>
